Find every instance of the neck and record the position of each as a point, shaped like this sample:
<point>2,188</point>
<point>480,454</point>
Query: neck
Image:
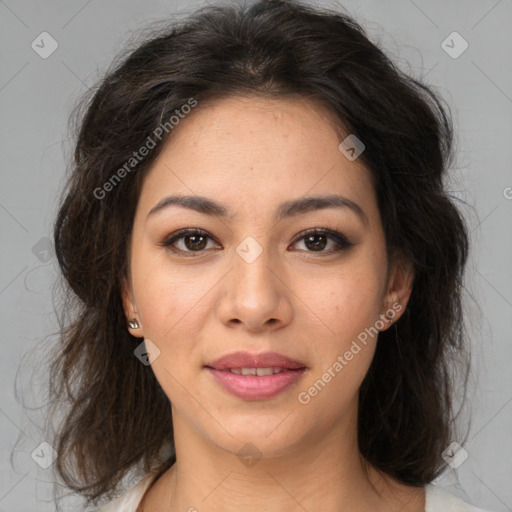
<point>324,473</point>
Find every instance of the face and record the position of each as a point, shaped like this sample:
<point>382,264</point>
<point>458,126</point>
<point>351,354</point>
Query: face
<point>264,269</point>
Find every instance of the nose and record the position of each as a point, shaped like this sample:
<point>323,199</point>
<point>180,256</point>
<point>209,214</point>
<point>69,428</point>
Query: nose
<point>255,295</point>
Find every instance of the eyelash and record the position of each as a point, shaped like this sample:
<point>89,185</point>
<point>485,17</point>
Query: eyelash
<point>342,242</point>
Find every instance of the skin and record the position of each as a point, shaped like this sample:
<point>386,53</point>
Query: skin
<point>251,154</point>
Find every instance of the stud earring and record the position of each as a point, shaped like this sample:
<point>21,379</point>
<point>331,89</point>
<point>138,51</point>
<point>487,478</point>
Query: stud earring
<point>133,324</point>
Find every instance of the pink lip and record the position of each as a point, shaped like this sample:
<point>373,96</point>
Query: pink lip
<point>253,387</point>
<point>247,360</point>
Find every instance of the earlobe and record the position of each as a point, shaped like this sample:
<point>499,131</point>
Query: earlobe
<point>133,324</point>
<point>399,290</point>
<point>130,310</point>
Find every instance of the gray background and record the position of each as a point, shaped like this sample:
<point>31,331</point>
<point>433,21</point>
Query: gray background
<point>36,96</point>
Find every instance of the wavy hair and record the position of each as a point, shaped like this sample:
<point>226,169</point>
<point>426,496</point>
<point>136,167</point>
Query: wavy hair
<point>117,415</point>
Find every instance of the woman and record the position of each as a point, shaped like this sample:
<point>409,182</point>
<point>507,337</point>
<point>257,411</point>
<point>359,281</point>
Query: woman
<point>266,273</point>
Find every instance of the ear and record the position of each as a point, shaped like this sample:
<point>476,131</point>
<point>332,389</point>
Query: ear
<point>130,310</point>
<point>399,289</point>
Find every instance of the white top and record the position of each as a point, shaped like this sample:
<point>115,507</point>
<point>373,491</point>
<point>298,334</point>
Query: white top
<point>437,499</point>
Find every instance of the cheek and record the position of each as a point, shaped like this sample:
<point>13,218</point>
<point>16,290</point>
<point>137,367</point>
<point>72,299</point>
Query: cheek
<point>164,295</point>
<point>346,302</point>
<point>172,309</point>
<point>349,309</point>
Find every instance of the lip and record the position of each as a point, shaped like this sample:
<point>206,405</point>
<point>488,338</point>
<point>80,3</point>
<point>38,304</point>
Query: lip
<point>248,360</point>
<point>253,387</point>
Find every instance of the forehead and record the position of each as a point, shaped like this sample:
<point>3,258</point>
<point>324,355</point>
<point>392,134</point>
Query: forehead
<point>253,152</point>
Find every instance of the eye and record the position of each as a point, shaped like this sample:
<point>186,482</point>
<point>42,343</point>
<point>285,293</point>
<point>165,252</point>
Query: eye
<point>193,240</point>
<point>316,240</point>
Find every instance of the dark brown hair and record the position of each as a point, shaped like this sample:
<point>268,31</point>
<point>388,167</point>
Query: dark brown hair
<point>117,415</point>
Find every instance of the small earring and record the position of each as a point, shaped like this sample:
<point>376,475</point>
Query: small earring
<point>133,324</point>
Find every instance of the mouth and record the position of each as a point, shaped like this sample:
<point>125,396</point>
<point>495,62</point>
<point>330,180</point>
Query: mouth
<point>260,372</point>
<point>255,376</point>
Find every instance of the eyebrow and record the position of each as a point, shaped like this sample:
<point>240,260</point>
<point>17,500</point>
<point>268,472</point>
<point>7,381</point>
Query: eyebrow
<point>285,210</point>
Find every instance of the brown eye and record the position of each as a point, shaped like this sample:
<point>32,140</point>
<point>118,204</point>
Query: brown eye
<point>317,240</point>
<point>194,242</point>
<point>189,241</point>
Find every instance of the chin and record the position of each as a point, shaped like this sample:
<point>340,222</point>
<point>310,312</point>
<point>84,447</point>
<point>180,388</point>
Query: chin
<point>258,435</point>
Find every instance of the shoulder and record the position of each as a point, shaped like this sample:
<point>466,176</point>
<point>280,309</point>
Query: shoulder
<point>438,499</point>
<point>128,501</point>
